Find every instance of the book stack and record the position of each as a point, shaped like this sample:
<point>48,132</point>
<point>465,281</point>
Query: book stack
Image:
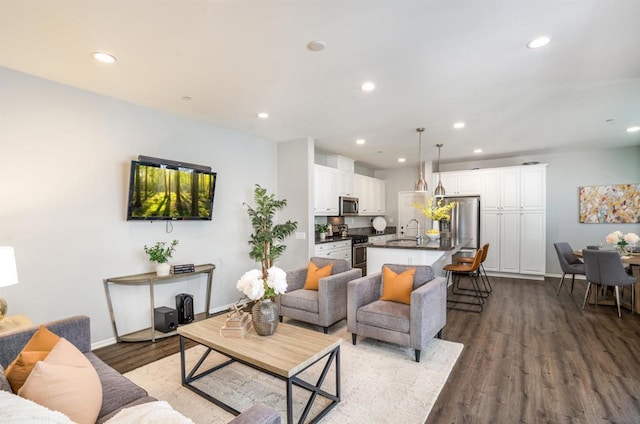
<point>181,269</point>
<point>237,326</point>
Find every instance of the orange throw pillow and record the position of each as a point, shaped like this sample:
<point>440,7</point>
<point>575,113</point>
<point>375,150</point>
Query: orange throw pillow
<point>36,349</point>
<point>314,274</point>
<point>397,287</point>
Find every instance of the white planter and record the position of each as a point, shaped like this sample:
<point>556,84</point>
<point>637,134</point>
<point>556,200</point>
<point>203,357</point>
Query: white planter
<point>162,270</point>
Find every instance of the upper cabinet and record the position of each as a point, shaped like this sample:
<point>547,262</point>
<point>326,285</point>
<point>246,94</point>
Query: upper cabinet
<point>500,189</point>
<point>326,183</point>
<point>331,183</point>
<point>533,187</point>
<point>461,183</point>
<point>371,192</point>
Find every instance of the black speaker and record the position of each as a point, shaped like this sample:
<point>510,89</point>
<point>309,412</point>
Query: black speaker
<point>164,319</point>
<point>184,307</point>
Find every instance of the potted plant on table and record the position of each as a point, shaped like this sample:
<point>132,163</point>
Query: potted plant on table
<point>266,246</point>
<point>160,253</point>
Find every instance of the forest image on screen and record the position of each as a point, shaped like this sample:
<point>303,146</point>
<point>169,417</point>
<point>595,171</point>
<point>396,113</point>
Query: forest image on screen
<point>170,193</point>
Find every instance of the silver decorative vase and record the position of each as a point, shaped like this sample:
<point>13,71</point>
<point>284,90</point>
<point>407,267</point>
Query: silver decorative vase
<point>265,317</point>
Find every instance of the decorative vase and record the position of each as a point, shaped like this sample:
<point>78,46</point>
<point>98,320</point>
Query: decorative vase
<point>265,317</point>
<point>162,270</point>
<point>435,225</point>
<point>622,249</point>
<point>445,226</point>
<point>323,236</point>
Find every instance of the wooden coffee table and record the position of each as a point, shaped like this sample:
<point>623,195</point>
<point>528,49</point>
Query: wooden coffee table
<point>285,354</point>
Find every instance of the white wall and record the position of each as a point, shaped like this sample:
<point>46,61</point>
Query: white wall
<point>64,169</point>
<point>295,184</point>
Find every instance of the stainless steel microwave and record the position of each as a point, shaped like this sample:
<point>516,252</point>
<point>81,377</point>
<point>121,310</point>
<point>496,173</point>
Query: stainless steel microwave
<point>348,206</point>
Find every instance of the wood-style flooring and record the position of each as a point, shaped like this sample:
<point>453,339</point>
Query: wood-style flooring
<point>529,357</point>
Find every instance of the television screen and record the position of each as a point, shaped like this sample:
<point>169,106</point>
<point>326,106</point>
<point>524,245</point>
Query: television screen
<point>160,191</point>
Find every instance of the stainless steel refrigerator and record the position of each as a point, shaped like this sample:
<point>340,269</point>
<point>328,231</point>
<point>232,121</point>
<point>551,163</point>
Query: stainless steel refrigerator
<point>465,221</point>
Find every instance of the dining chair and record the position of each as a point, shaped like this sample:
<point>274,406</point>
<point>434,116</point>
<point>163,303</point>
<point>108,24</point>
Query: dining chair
<point>606,268</point>
<point>569,263</point>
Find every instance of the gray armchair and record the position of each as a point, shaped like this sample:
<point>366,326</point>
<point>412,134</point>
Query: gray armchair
<point>325,306</point>
<point>407,325</point>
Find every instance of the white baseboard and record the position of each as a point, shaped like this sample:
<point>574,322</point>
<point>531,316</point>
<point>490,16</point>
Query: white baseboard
<point>112,340</point>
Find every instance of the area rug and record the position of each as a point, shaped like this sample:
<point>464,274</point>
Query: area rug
<point>380,383</point>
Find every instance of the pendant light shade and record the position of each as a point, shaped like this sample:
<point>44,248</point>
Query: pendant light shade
<point>421,184</point>
<point>439,191</point>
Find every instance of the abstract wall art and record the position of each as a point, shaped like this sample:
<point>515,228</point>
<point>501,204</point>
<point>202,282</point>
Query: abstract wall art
<point>606,204</point>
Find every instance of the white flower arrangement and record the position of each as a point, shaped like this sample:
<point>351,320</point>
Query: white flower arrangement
<point>622,240</point>
<point>255,286</point>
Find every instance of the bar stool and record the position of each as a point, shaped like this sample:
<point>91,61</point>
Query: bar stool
<point>485,279</point>
<point>471,270</point>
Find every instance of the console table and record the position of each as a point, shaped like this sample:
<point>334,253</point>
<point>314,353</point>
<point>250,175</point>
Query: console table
<point>151,279</point>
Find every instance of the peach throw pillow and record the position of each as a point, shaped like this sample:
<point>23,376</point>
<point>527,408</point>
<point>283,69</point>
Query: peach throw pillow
<point>65,381</point>
<point>36,349</point>
<point>397,287</point>
<point>314,274</point>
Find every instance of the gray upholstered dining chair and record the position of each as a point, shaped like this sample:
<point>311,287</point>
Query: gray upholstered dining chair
<point>412,324</point>
<point>325,306</point>
<point>569,263</point>
<point>606,268</point>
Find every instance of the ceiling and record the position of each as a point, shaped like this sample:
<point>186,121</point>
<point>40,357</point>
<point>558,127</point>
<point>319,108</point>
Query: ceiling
<point>434,63</point>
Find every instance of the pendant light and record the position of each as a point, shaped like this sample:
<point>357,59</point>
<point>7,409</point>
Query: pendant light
<point>439,191</point>
<point>421,184</point>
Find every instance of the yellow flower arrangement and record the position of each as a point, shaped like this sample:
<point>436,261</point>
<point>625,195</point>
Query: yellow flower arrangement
<point>437,212</point>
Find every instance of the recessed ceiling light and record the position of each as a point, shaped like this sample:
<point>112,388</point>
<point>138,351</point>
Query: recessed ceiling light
<point>361,141</point>
<point>459,125</point>
<point>477,150</point>
<point>186,98</point>
<point>104,57</point>
<point>538,42</point>
<point>316,45</point>
<point>367,86</point>
<point>263,115</point>
<point>633,129</point>
<point>401,160</point>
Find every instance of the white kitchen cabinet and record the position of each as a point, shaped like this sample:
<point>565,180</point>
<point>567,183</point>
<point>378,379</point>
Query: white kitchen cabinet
<point>502,231</point>
<point>334,250</point>
<point>533,242</point>
<point>513,219</point>
<point>371,192</point>
<point>325,196</point>
<point>500,189</point>
<point>462,183</point>
<point>348,185</point>
<point>331,183</point>
<point>533,187</point>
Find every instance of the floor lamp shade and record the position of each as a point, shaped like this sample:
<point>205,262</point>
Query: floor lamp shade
<point>8,274</point>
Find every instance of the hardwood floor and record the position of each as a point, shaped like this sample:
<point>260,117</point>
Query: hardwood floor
<point>529,357</point>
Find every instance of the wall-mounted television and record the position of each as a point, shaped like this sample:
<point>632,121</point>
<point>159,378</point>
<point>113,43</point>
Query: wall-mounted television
<point>162,189</point>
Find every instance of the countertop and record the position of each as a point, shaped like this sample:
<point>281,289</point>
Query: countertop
<point>356,232</point>
<point>411,244</point>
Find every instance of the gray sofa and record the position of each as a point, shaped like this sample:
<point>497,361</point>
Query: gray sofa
<point>117,391</point>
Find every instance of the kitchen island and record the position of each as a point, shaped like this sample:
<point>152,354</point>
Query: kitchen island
<point>410,252</point>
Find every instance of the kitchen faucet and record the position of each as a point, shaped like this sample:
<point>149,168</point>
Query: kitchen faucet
<point>418,234</point>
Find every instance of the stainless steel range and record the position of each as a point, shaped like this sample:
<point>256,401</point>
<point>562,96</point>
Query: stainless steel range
<point>359,253</point>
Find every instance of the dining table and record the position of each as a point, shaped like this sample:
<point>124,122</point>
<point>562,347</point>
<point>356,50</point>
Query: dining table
<point>632,260</point>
